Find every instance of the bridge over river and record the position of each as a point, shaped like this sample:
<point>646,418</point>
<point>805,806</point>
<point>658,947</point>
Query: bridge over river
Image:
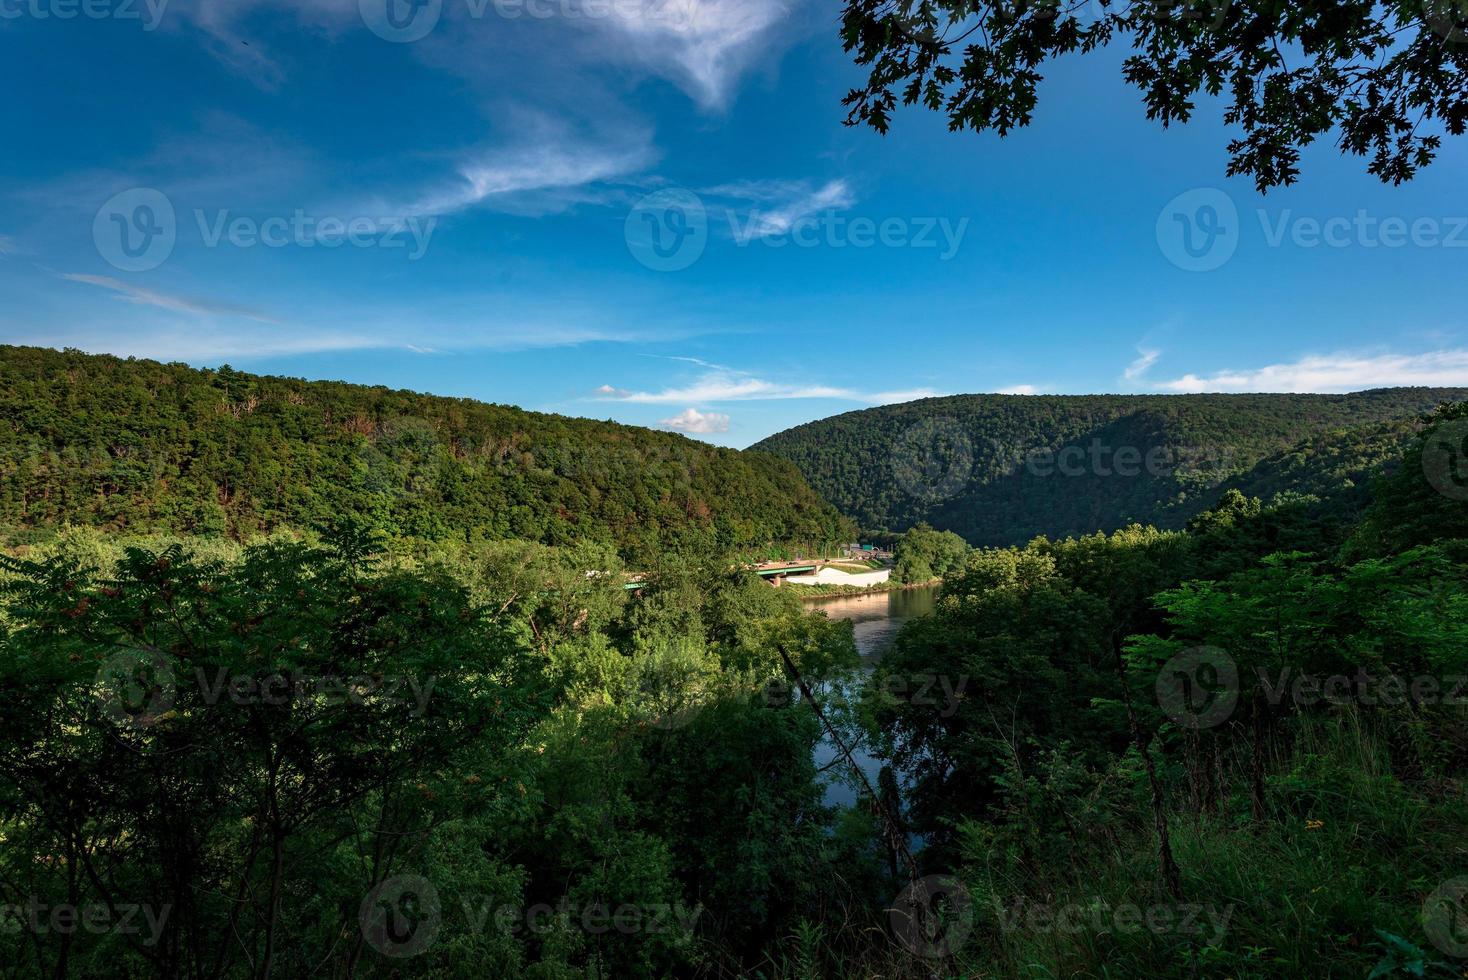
<point>776,572</point>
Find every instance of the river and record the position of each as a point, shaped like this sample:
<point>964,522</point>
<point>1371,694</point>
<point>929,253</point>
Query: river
<point>876,619</point>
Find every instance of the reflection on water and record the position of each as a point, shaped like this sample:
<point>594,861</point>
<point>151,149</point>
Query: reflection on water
<point>876,619</point>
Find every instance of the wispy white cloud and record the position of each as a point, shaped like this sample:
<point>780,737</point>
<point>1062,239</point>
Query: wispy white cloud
<point>730,386</point>
<point>178,304</point>
<point>196,345</point>
<point>773,207</point>
<point>210,341</point>
<point>687,360</point>
<point>1146,358</point>
<point>691,420</point>
<point>1020,390</point>
<point>8,245</point>
<point>545,159</point>
<point>1337,372</point>
<point>702,45</point>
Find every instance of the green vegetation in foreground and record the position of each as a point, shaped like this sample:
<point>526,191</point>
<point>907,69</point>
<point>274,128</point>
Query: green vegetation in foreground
<point>966,463</point>
<point>134,446</point>
<point>528,754</point>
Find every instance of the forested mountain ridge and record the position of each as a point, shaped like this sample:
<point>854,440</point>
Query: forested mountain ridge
<point>1001,469</point>
<point>138,445</point>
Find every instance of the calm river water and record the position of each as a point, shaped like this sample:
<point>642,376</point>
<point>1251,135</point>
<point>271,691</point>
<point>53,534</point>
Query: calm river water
<point>875,620</point>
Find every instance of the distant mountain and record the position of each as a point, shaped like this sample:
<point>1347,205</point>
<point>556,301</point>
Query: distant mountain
<point>1001,469</point>
<point>139,445</point>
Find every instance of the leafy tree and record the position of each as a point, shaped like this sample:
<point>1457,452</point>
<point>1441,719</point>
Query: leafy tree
<point>1389,78</point>
<point>1423,500</point>
<point>923,554</point>
<point>200,739</point>
<point>1027,649</point>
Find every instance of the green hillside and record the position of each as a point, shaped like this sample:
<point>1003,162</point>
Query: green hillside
<point>135,445</point>
<point>1000,469</point>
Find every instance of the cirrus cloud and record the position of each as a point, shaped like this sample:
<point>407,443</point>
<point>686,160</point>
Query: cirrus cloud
<point>167,301</point>
<point>1145,359</point>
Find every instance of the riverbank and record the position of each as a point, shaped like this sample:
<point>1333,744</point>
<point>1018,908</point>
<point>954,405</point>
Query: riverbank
<point>813,592</point>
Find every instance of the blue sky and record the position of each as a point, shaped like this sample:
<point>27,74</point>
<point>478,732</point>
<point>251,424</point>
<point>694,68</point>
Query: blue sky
<point>649,210</point>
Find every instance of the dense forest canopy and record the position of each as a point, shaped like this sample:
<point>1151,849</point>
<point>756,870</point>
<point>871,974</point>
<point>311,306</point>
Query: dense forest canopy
<point>358,760</point>
<point>1000,469</point>
<point>379,749</point>
<point>134,445</point>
